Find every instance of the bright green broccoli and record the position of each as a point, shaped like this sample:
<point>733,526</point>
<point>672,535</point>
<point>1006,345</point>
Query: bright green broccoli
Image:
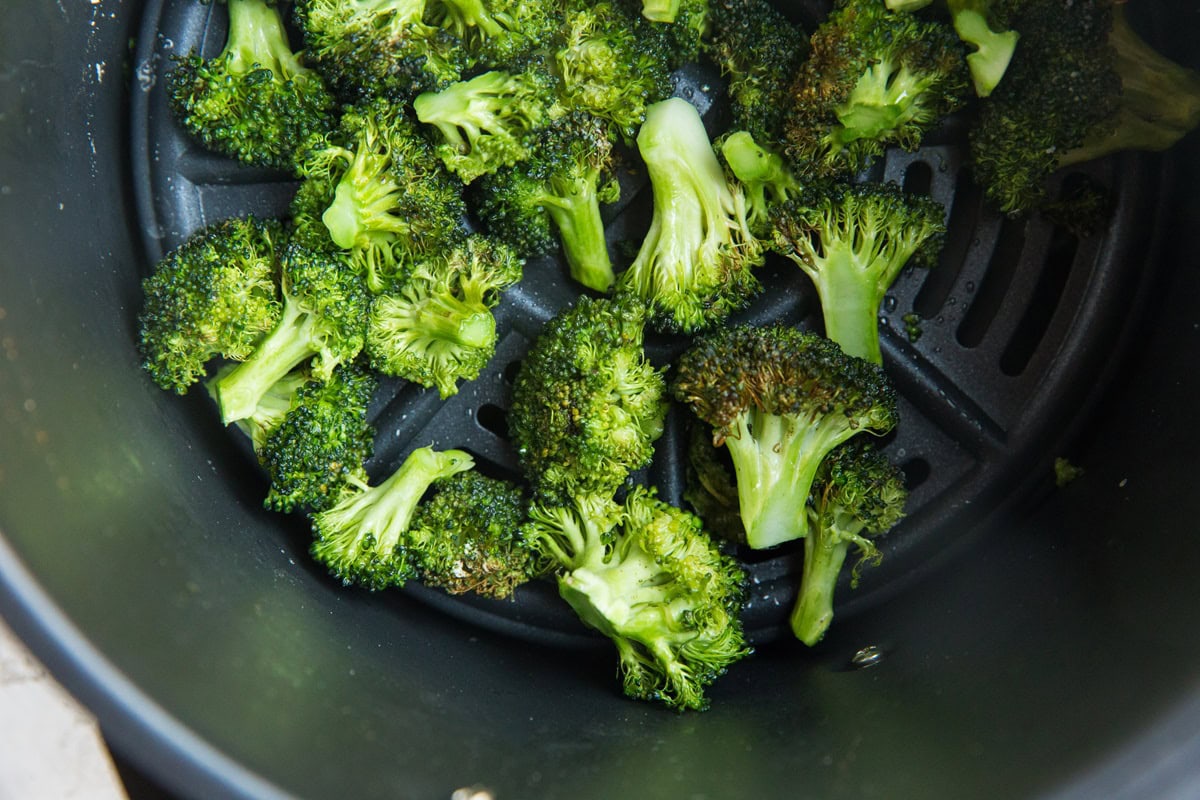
<point>379,47</point>
<point>375,191</point>
<point>872,78</point>
<point>613,63</point>
<point>695,265</point>
<point>272,407</point>
<point>857,494</point>
<point>467,536</point>
<point>648,577</point>
<point>1081,85</point>
<point>323,324</point>
<point>491,120</point>
<point>364,538</point>
<point>215,295</point>
<point>780,400</point>
<point>437,329</point>
<point>853,240</point>
<point>255,101</point>
<point>320,444</point>
<point>759,51</point>
<point>587,406</point>
<point>559,188</point>
<point>765,178</point>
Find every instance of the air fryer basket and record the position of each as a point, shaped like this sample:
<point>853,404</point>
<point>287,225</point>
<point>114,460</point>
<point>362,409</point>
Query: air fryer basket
<point>1015,640</point>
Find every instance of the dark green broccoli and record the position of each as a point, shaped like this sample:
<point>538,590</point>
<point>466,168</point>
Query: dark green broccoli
<point>695,265</point>
<point>497,33</point>
<point>560,188</point>
<point>215,295</point>
<point>323,324</point>
<point>648,577</point>
<point>683,26</point>
<point>759,51</point>
<point>437,328</point>
<point>872,78</point>
<point>710,484</point>
<point>587,406</point>
<point>364,539</point>
<point>857,494</point>
<point>379,47</point>
<point>1081,85</point>
<point>853,240</point>
<point>467,536</point>
<point>765,178</point>
<point>321,442</point>
<point>780,400</point>
<point>255,101</point>
<point>613,63</point>
<point>491,120</point>
<point>374,190</point>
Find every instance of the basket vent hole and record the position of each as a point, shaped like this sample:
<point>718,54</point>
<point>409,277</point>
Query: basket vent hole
<point>1047,294</point>
<point>916,472</point>
<point>964,217</point>
<point>995,284</point>
<point>493,418</point>
<point>510,372</point>
<point>918,178</point>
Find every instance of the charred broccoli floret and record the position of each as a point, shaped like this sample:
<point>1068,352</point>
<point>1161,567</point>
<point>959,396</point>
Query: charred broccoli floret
<point>780,400</point>
<point>647,576</point>
<point>765,178</point>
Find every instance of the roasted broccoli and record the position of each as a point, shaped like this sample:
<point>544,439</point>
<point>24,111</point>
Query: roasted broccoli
<point>466,536</point>
<point>215,295</point>
<point>587,406</point>
<point>491,120</point>
<point>364,538</point>
<point>647,576</point>
<point>561,187</point>
<point>255,101</point>
<point>872,78</point>
<point>323,323</point>
<point>710,484</point>
<point>853,240</point>
<point>780,400</point>
<point>438,328</point>
<point>374,190</point>
<point>1082,84</point>
<point>695,265</point>
<point>857,494</point>
<point>321,442</point>
<point>272,407</point>
<point>765,178</point>
<point>759,51</point>
<point>496,33</point>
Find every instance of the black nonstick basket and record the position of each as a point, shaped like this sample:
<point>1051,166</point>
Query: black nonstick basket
<point>1017,640</point>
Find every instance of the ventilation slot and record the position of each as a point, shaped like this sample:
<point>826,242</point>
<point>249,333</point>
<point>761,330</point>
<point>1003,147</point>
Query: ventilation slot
<point>964,217</point>
<point>918,178</point>
<point>493,418</point>
<point>1060,255</point>
<point>995,283</point>
<point>916,471</point>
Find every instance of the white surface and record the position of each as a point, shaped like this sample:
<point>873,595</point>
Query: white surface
<point>50,748</point>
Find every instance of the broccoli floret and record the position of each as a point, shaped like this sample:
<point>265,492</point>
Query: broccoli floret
<point>648,577</point>
<point>467,536</point>
<point>379,47</point>
<point>496,33</point>
<point>683,26</point>
<point>857,494</point>
<point>587,406</point>
<point>765,178</point>
<point>1081,85</point>
<point>321,442</point>
<point>759,51</point>
<point>216,294</point>
<point>872,78</point>
<point>375,190</point>
<point>323,323</point>
<point>780,400</point>
<point>853,240</point>
<point>491,120</point>
<point>438,328</point>
<point>363,539</point>
<point>613,63</point>
<point>567,178</point>
<point>710,484</point>
<point>695,265</point>
<point>272,407</point>
<point>256,101</point>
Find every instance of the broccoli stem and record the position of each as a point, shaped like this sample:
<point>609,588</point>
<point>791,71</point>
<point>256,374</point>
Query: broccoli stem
<point>363,202</point>
<point>660,10</point>
<point>883,100</point>
<point>824,556</point>
<point>850,306</point>
<point>447,319</point>
<point>993,52</point>
<point>576,212</point>
<point>467,14</point>
<point>287,346</point>
<point>258,40</point>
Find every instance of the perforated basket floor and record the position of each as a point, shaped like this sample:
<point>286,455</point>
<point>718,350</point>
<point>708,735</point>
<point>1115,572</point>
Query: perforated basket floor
<point>1019,321</point>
